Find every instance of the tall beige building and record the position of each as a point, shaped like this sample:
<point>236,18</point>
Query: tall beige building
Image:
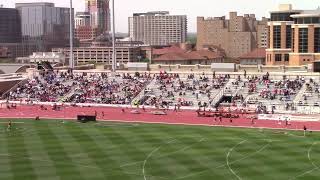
<point>237,35</point>
<point>158,28</point>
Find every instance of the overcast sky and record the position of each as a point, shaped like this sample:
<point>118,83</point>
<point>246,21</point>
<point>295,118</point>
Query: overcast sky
<point>191,8</point>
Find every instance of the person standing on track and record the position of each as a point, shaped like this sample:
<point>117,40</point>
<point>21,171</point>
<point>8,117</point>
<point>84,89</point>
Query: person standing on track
<point>9,125</point>
<point>252,120</point>
<point>304,130</point>
<point>214,120</point>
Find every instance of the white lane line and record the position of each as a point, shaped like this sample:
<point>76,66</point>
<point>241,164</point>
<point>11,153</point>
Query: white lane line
<point>149,156</point>
<point>246,157</point>
<point>307,172</point>
<point>232,162</point>
<point>227,159</point>
<point>166,155</point>
<point>315,167</point>
<point>182,149</point>
<point>309,156</point>
<point>77,164</point>
<point>156,122</point>
<point>12,122</point>
<point>203,139</point>
<point>293,135</point>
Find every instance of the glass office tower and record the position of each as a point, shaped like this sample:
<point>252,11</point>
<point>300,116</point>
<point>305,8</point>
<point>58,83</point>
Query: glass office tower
<point>44,24</point>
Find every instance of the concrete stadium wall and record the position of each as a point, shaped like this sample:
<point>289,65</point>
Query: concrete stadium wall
<point>239,68</point>
<point>14,68</point>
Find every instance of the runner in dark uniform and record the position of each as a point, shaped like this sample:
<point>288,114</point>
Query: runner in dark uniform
<point>9,125</point>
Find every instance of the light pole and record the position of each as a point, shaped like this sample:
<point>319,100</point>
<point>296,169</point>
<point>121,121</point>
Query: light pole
<point>113,39</point>
<point>71,62</point>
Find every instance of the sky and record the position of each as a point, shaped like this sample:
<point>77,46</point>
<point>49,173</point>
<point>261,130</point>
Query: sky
<point>191,8</point>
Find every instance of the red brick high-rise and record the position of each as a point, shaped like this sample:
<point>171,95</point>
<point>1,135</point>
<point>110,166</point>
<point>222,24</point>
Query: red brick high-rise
<point>99,11</point>
<point>94,21</point>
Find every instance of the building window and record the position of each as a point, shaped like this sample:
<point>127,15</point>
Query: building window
<point>270,57</point>
<point>317,40</point>
<point>303,40</point>
<point>293,39</point>
<point>268,39</point>
<point>278,57</point>
<point>277,37</point>
<point>307,20</point>
<point>281,16</point>
<point>286,57</point>
<point>289,36</point>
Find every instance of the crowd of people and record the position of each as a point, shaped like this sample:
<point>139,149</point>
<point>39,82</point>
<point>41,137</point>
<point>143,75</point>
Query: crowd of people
<point>161,90</point>
<point>81,88</point>
<point>254,90</point>
<point>49,87</point>
<point>173,90</point>
<point>108,90</point>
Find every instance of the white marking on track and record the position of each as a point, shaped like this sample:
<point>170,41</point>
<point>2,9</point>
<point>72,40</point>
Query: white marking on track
<point>309,156</point>
<point>80,165</point>
<point>232,162</point>
<point>182,149</point>
<point>293,135</point>
<point>149,156</point>
<point>227,159</point>
<point>166,155</point>
<point>315,167</point>
<point>12,122</point>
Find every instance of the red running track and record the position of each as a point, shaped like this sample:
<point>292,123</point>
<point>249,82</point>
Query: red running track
<point>182,117</point>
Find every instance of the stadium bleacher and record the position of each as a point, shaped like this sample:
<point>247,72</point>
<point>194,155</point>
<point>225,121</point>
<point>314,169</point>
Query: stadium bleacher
<point>165,90</point>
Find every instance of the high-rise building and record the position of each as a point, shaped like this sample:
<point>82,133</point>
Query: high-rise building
<point>99,11</point>
<point>10,26</point>
<point>44,25</point>
<point>83,28</point>
<point>158,28</point>
<point>237,35</point>
<point>10,34</point>
<point>294,36</point>
<point>82,19</point>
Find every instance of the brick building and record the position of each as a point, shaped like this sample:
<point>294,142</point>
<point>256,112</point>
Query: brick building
<point>83,29</point>
<point>237,35</point>
<point>294,36</point>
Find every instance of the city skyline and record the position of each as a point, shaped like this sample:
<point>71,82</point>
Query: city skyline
<point>206,8</point>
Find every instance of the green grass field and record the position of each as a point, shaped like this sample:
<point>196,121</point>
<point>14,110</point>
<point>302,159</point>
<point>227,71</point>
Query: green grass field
<point>72,151</point>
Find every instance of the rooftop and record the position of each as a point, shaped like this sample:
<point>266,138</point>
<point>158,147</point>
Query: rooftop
<point>308,13</point>
<point>152,13</point>
<point>258,53</point>
<point>167,50</point>
<point>189,55</point>
<point>35,4</point>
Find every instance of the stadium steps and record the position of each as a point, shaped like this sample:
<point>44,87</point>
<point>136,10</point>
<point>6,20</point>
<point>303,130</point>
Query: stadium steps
<point>222,93</point>
<point>141,96</point>
<point>67,96</point>
<point>299,95</point>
